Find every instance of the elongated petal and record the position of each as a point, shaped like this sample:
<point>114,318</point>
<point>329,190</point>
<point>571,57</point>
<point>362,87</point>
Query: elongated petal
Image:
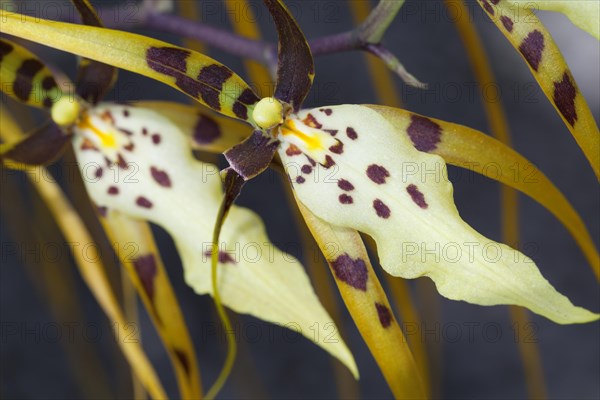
<point>134,244</point>
<point>252,156</point>
<point>41,147</point>
<point>94,79</point>
<point>156,178</point>
<point>583,13</point>
<point>468,148</point>
<point>529,36</point>
<point>295,71</point>
<point>194,74</point>
<point>25,78</point>
<point>375,181</point>
<point>367,303</point>
<point>207,132</point>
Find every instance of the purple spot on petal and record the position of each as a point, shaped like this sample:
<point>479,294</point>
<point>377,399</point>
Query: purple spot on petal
<point>145,266</point>
<point>507,22</point>
<point>300,179</point>
<point>206,130</point>
<point>143,202</point>
<point>564,98</point>
<point>384,314</point>
<point>113,190</point>
<point>351,133</point>
<point>424,133</point>
<point>345,185</point>
<point>156,138</point>
<point>351,271</point>
<point>345,199</point>
<point>377,173</point>
<point>382,210</point>
<point>306,169</point>
<point>417,196</point>
<point>161,177</point>
<point>532,48</point>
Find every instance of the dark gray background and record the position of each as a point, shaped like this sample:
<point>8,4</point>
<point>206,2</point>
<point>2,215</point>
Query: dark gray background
<point>427,43</point>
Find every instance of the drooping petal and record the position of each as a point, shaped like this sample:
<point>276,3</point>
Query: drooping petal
<point>135,161</point>
<point>134,244</point>
<point>194,74</point>
<point>25,78</point>
<point>583,13</point>
<point>375,181</point>
<point>468,148</point>
<point>528,35</point>
<point>295,70</point>
<point>94,79</point>
<point>368,304</point>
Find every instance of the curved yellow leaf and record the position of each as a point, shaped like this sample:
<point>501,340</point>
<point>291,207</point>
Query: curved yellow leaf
<point>194,74</point>
<point>529,36</point>
<point>137,162</point>
<point>375,181</point>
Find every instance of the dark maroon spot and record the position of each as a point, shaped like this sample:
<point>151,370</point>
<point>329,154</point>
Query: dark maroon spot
<point>345,185</point>
<point>144,131</point>
<point>121,162</point>
<point>172,61</point>
<point>143,202</point>
<point>507,22</point>
<point>532,48</point>
<point>417,196</point>
<point>108,162</point>
<point>107,117</point>
<point>351,271</point>
<point>328,162</point>
<point>293,150</point>
<point>337,148</point>
<point>424,133</point>
<point>161,177</point>
<point>99,172</point>
<point>487,7</point>
<point>332,132</point>
<point>300,179</point>
<point>495,2</point>
<point>24,77</point>
<point>206,130</point>
<point>311,121</point>
<point>126,113</point>
<point>311,161</point>
<point>102,210</point>
<point>129,147</point>
<point>48,102</point>
<point>246,98</point>
<point>87,145</point>
<point>5,49</point>
<point>381,209</point>
<point>145,266</point>
<point>213,76</point>
<point>48,83</point>
<point>306,169</point>
<point>345,199</point>
<point>564,98</point>
<point>351,133</point>
<point>156,138</point>
<point>113,190</point>
<point>377,173</point>
<point>185,363</point>
<point>240,110</point>
<point>327,111</point>
<point>125,131</point>
<point>224,257</point>
<point>384,314</point>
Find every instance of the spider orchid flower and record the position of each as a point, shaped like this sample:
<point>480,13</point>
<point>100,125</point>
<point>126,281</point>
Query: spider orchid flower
<point>355,167</point>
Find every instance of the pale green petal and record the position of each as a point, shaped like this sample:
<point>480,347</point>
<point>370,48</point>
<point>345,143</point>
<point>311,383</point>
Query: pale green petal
<point>381,185</point>
<point>164,184</point>
<point>583,13</point>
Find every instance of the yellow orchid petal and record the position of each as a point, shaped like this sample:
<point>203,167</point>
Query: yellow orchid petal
<point>156,178</point>
<point>192,73</point>
<point>528,35</point>
<point>375,181</point>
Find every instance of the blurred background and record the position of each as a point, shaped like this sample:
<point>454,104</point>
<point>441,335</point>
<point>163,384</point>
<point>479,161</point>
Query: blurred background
<point>473,350</point>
